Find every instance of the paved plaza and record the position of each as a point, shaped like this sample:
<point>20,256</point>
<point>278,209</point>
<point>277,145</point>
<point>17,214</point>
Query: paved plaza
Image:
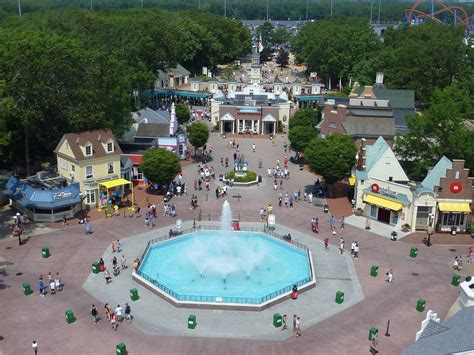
<point>159,328</point>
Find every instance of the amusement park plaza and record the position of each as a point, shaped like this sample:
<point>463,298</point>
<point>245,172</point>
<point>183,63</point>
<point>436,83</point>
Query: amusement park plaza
<point>246,276</point>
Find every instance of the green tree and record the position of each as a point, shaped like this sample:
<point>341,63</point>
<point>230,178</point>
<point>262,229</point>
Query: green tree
<point>307,117</point>
<point>423,58</point>
<point>301,136</point>
<point>332,157</point>
<point>266,31</point>
<point>198,135</point>
<point>280,36</point>
<point>160,165</point>
<point>183,115</point>
<point>283,58</point>
<point>323,46</point>
<point>441,130</point>
<point>265,55</point>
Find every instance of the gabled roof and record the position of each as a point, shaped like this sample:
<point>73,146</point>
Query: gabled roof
<point>398,98</point>
<point>149,115</point>
<point>369,127</point>
<point>434,175</point>
<point>374,152</point>
<point>96,138</point>
<point>456,335</point>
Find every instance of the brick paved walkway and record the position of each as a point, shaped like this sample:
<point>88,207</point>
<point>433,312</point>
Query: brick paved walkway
<point>24,318</point>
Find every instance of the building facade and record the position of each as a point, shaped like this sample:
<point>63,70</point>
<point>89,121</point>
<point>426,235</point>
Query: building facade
<point>383,192</point>
<point>89,158</point>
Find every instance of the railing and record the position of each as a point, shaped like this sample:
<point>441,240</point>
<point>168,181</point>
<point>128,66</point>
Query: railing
<point>213,299</point>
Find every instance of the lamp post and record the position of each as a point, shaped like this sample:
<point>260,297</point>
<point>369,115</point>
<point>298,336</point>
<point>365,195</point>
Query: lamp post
<point>225,8</point>
<point>19,7</point>
<point>267,10</point>
<point>307,10</point>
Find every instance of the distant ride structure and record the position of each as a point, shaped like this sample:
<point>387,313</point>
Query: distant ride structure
<point>440,13</point>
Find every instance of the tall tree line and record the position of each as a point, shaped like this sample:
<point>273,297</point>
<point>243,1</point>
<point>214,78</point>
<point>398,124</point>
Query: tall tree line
<point>73,70</point>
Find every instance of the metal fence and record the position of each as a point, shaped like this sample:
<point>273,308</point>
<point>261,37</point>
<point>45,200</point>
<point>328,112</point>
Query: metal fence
<point>213,299</point>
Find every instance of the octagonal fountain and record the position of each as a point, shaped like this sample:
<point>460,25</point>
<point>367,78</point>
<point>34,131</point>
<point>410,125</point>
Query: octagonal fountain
<point>225,269</point>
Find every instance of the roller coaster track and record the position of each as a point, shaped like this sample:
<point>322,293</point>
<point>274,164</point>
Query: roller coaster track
<point>458,13</point>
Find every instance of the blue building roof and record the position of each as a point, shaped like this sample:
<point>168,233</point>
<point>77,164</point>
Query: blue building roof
<point>374,152</point>
<point>30,197</point>
<point>438,171</point>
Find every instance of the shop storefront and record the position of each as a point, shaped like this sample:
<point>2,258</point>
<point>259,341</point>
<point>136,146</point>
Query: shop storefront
<point>385,205</point>
<point>453,215</point>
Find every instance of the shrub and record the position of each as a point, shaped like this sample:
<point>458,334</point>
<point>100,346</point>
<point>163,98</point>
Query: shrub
<point>250,176</point>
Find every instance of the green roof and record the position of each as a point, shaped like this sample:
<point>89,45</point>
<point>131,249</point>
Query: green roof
<point>398,98</point>
<point>374,152</point>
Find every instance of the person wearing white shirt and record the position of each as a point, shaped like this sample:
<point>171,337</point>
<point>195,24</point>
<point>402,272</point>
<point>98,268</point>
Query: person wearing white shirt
<point>119,313</point>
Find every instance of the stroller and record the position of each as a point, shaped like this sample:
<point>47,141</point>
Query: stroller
<point>315,227</point>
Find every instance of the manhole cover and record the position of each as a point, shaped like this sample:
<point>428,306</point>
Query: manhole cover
<point>452,249</point>
<point>8,248</point>
<point>415,274</point>
<point>19,274</point>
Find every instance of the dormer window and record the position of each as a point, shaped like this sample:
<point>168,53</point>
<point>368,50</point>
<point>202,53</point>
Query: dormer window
<point>89,150</point>
<point>110,147</point>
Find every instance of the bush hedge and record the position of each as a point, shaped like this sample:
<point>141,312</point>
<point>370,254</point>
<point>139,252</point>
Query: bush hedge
<point>250,176</point>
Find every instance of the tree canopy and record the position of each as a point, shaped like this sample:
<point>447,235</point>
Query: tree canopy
<point>443,129</point>
<point>72,70</point>
<point>283,58</point>
<point>301,136</point>
<point>307,117</point>
<point>198,134</point>
<point>332,157</point>
<point>160,166</point>
<point>183,114</point>
<point>324,46</point>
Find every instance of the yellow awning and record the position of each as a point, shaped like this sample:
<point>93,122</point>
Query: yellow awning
<point>352,180</point>
<point>454,207</point>
<point>116,182</point>
<point>383,202</point>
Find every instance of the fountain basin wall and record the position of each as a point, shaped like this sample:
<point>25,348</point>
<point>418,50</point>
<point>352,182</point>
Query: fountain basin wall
<point>232,270</point>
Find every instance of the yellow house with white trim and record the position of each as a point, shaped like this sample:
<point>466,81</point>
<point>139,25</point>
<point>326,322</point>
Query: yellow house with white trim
<point>90,158</point>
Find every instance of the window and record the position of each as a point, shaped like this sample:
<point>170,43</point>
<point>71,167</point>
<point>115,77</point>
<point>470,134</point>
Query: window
<point>88,150</point>
<point>373,211</point>
<point>110,167</point>
<point>64,165</point>
<point>110,147</point>
<point>90,197</point>
<point>73,168</point>
<point>453,219</point>
<point>394,218</point>
<point>89,172</point>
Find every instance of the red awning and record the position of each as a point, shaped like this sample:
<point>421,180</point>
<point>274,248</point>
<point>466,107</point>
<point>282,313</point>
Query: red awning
<point>136,159</point>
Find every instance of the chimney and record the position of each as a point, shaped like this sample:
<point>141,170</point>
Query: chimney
<point>368,93</point>
<point>379,77</point>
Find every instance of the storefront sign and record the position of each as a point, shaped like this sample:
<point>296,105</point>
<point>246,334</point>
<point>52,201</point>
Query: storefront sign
<point>386,191</point>
<point>455,187</point>
<point>61,195</point>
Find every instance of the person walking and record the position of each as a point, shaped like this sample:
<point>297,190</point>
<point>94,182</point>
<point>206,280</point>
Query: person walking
<point>353,247</point>
<point>41,286</point>
<point>310,198</point>
<point>390,276</point>
<point>107,311</point>
<point>326,244</point>
<point>128,315</point>
<point>123,262</point>
<point>356,250</point>
<point>253,147</point>
<point>113,321</point>
<point>118,313</point>
<point>298,327</point>
<point>93,312</point>
<point>34,346</point>
<point>342,223</point>
<point>294,324</point>
<point>341,246</point>
<point>285,326</point>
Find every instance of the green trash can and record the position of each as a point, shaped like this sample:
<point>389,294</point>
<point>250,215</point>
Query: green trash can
<point>70,316</point>
<point>413,252</point>
<point>96,268</point>
<point>456,280</point>
<point>134,294</point>
<point>192,321</point>
<point>27,289</point>
<point>374,270</point>
<point>420,305</point>
<point>339,297</point>
<point>121,349</point>
<point>277,320</point>
<point>373,332</point>
<point>45,252</point>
